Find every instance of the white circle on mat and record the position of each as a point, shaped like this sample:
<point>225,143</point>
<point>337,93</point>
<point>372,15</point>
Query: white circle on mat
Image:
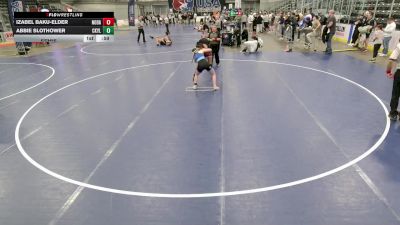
<point>29,88</point>
<point>214,194</point>
<point>131,54</point>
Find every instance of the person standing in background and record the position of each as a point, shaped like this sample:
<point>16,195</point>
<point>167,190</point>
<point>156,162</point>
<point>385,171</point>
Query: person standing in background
<point>316,32</point>
<point>291,22</point>
<point>265,22</point>
<point>215,42</point>
<point>331,25</point>
<point>377,40</point>
<point>195,18</point>
<point>154,18</point>
<point>179,18</point>
<point>166,21</point>
<point>250,20</point>
<point>255,22</point>
<point>244,21</point>
<point>141,29</point>
<point>356,35</point>
<point>282,25</point>
<point>388,32</point>
<point>371,24</point>
<point>272,22</point>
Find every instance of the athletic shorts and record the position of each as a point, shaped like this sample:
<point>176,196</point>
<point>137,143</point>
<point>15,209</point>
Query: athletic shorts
<point>163,43</point>
<point>203,65</point>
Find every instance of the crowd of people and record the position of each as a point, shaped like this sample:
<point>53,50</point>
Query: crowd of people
<point>289,26</point>
<point>367,30</point>
<point>171,18</point>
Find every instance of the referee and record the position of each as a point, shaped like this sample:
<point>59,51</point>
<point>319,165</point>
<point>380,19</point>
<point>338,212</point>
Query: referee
<point>141,30</point>
<point>394,59</point>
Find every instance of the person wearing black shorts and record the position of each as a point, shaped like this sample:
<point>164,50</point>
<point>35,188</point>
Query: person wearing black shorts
<point>394,102</point>
<point>371,23</point>
<point>141,29</point>
<point>202,64</point>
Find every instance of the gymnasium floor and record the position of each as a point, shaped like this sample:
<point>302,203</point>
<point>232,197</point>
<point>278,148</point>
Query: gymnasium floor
<point>290,139</point>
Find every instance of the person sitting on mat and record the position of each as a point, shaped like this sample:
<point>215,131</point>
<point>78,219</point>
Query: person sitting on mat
<point>163,40</point>
<point>203,64</point>
<point>253,45</point>
<point>203,27</point>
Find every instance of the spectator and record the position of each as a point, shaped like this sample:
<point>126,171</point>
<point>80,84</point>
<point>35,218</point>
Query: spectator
<point>369,25</point>
<point>388,32</point>
<point>250,20</point>
<point>358,23</point>
<point>316,32</point>
<point>290,31</point>
<point>377,40</point>
<point>244,21</point>
<point>331,31</point>
<point>166,22</point>
<point>259,23</point>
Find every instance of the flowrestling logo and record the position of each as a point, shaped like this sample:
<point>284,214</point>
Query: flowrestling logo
<point>183,5</point>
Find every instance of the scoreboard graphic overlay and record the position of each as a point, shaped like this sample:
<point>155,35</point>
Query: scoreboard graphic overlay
<point>63,26</point>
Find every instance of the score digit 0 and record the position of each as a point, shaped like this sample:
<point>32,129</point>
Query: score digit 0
<point>108,30</point>
<point>108,21</point>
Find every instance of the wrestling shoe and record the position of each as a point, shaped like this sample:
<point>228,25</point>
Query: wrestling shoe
<point>393,117</point>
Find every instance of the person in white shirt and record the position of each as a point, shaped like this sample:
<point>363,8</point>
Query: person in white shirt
<point>180,18</point>
<point>253,45</point>
<point>43,9</point>
<point>388,31</point>
<point>250,19</point>
<point>148,20</point>
<point>265,20</point>
<point>166,22</point>
<point>377,40</point>
<point>244,21</point>
<point>140,26</point>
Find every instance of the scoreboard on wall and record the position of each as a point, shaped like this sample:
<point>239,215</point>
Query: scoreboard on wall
<point>63,26</point>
